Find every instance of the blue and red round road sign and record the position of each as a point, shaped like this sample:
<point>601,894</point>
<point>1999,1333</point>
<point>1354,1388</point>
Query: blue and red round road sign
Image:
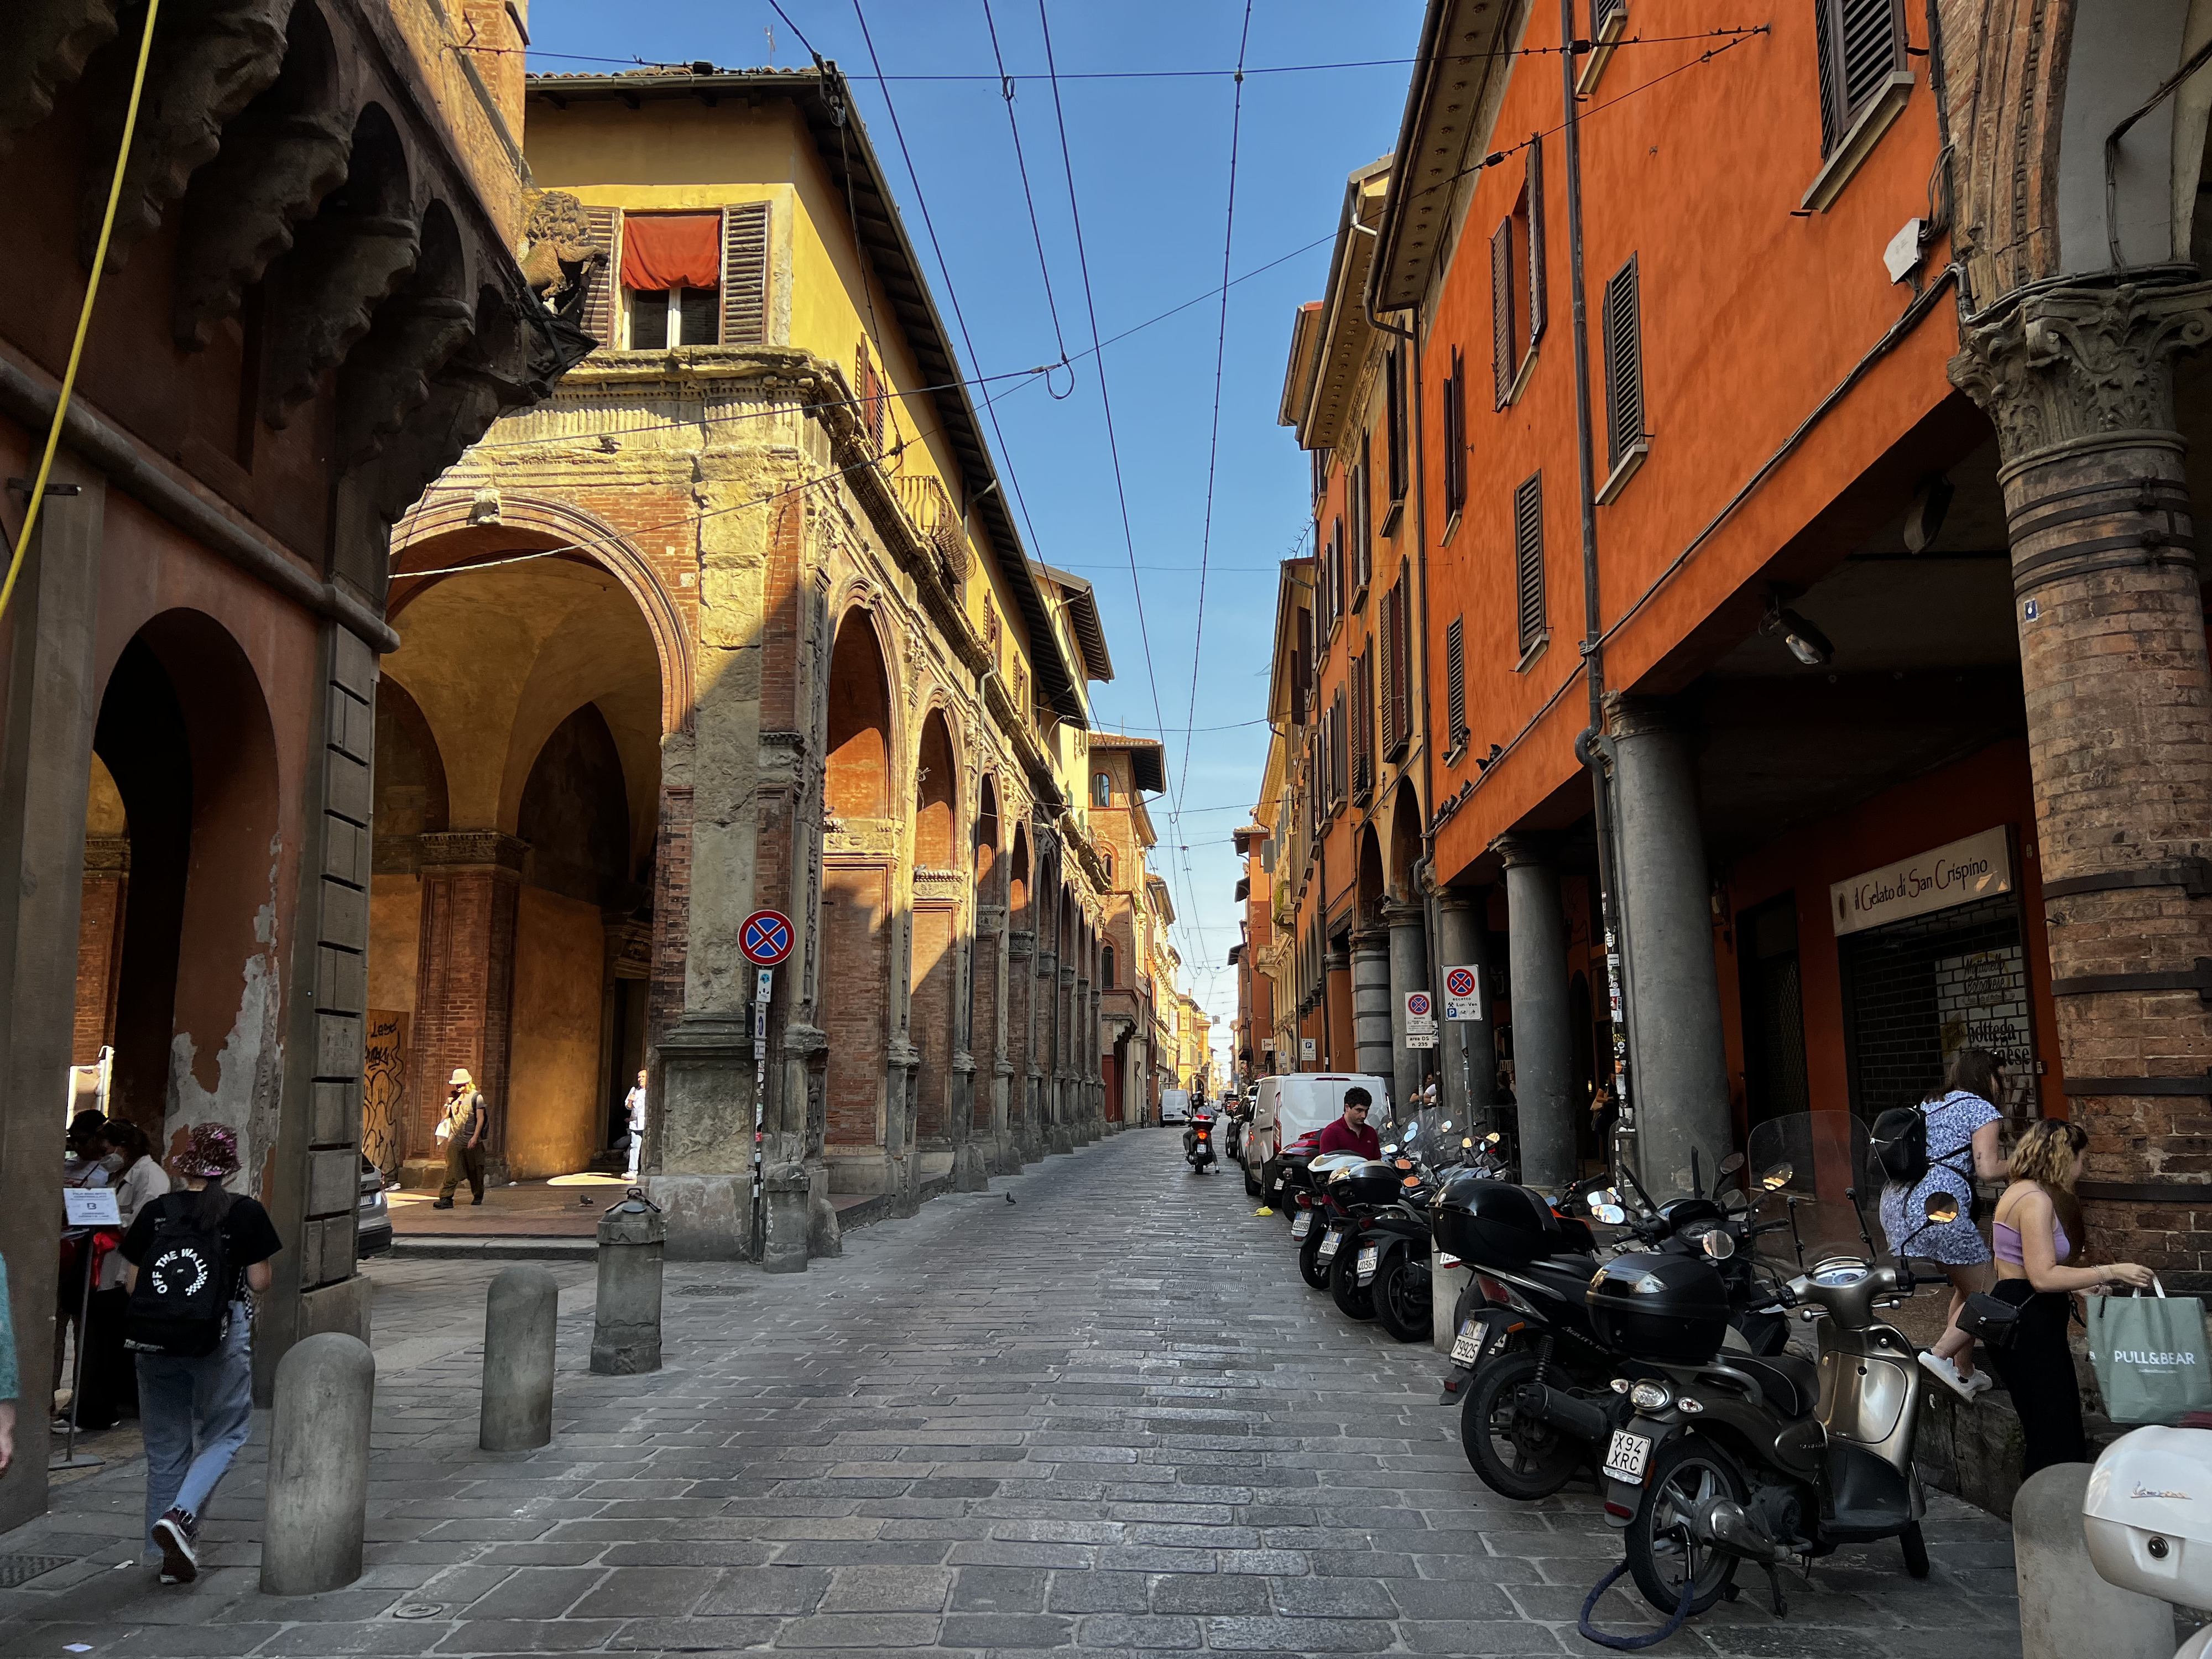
<point>1460,982</point>
<point>765,937</point>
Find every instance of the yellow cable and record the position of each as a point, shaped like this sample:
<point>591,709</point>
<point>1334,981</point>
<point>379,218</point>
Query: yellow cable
<point>84,316</point>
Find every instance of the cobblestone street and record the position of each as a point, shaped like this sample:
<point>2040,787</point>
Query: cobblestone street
<point>1106,1417</point>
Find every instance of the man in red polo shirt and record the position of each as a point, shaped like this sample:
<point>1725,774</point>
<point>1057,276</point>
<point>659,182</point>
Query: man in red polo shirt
<point>1350,1133</point>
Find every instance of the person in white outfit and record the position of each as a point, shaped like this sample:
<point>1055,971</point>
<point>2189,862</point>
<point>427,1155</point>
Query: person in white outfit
<point>635,1102</point>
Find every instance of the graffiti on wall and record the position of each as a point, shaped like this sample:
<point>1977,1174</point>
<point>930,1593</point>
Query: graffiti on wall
<point>383,1088</point>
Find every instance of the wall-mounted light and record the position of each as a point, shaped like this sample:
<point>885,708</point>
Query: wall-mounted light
<point>1807,643</point>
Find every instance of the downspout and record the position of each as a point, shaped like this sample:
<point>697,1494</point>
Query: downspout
<point>1590,746</point>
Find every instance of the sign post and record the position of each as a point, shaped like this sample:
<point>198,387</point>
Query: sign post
<point>766,939</point>
<point>1421,1020</point>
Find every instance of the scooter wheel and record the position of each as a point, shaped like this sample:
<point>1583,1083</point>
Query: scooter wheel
<point>1916,1550</point>
<point>1516,1458</point>
<point>1401,1293</point>
<point>1684,1473</point>
<point>1353,1300</point>
<point>1311,1267</point>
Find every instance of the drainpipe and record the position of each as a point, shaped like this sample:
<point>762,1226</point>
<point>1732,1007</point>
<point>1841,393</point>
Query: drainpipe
<point>1589,746</point>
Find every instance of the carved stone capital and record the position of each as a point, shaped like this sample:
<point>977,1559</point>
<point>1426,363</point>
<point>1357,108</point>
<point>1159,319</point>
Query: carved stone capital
<point>1522,849</point>
<point>2063,367</point>
<point>107,855</point>
<point>344,266</point>
<point>43,48</point>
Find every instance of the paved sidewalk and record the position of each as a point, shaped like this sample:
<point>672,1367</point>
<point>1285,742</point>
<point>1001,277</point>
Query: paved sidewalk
<point>1107,1417</point>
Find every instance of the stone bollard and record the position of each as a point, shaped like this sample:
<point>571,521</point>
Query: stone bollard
<point>785,1189</point>
<point>2066,1609</point>
<point>626,1325</point>
<point>318,1500</point>
<point>519,1315</point>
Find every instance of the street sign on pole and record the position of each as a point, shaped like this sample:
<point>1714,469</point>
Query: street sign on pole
<point>1421,1020</point>
<point>1308,1048</point>
<point>765,937</point>
<point>1463,993</point>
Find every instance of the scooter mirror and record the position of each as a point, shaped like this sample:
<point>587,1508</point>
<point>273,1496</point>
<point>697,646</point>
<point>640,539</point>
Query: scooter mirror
<point>1445,1127</point>
<point>1940,1208</point>
<point>1717,1244</point>
<point>1390,1149</point>
<point>1412,1132</point>
<point>1731,1164</point>
<point>1777,1177</point>
<point>1611,1214</point>
<point>1466,1140</point>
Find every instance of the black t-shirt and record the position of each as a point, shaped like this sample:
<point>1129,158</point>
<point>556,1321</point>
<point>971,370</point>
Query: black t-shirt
<point>248,1235</point>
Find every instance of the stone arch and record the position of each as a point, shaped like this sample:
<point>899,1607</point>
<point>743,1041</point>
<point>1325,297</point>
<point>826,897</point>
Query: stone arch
<point>468,530</point>
<point>1371,886</point>
<point>1019,876</point>
<point>185,733</point>
<point>379,182</point>
<point>990,863</point>
<point>936,795</point>
<point>856,777</point>
<point>1404,838</point>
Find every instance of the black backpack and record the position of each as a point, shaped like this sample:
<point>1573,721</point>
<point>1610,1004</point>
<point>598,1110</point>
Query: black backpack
<point>180,1305</point>
<point>1899,1141</point>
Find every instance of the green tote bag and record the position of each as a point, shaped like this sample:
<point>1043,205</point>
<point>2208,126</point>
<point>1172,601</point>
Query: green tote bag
<point>2149,1353</point>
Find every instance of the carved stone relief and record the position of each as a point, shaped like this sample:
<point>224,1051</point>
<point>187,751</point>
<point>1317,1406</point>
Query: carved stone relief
<point>344,266</point>
<point>44,47</point>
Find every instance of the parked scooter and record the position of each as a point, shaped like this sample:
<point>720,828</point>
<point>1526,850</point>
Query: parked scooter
<point>1732,1458</point>
<point>1198,1142</point>
<point>1541,1402</point>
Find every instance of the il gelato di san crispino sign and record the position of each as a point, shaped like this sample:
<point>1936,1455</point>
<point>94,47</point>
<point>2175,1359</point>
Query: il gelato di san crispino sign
<point>1961,872</point>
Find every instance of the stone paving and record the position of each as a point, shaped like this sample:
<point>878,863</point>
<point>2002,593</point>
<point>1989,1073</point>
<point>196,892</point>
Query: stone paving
<point>1108,1418</point>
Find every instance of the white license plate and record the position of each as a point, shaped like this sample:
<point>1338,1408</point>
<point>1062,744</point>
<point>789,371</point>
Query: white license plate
<point>1467,1347</point>
<point>1626,1457</point>
<point>1369,1255</point>
<point>1279,1183</point>
<point>1329,1243</point>
<point>1303,1226</point>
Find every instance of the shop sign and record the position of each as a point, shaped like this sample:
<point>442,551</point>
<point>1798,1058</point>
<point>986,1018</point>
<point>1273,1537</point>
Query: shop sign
<point>1975,868</point>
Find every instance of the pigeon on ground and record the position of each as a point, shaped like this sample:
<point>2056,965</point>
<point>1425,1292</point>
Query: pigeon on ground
<point>1009,1198</point>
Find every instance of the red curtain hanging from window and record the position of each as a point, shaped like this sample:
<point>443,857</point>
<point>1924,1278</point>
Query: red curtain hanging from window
<point>663,250</point>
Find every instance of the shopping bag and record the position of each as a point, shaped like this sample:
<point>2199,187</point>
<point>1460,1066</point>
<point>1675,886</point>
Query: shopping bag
<point>2149,1353</point>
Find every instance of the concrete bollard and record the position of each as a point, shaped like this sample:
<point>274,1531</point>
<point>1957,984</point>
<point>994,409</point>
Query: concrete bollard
<point>626,1324</point>
<point>519,1315</point>
<point>317,1501</point>
<point>2065,1609</point>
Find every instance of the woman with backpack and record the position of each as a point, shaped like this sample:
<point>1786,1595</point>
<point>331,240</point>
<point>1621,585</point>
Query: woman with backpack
<point>2033,1245</point>
<point>1944,1144</point>
<point>191,1260</point>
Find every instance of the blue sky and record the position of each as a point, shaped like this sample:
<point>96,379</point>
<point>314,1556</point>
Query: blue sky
<point>1150,161</point>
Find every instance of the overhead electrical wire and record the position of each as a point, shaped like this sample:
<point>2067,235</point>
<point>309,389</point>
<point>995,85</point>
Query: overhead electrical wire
<point>1022,166</point>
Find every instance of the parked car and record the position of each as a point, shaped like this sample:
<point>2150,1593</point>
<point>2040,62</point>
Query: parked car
<point>372,1216</point>
<point>1287,1107</point>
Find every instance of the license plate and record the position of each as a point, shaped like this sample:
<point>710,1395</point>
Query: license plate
<point>1328,1244</point>
<point>1279,1183</point>
<point>1626,1457</point>
<point>1303,1226</point>
<point>1369,1255</point>
<point>1467,1347</point>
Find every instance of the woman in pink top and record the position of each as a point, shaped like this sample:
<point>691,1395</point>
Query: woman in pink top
<point>2032,1249</point>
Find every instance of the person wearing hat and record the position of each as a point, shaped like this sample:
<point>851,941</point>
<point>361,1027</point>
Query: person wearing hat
<point>462,1130</point>
<point>195,1413</point>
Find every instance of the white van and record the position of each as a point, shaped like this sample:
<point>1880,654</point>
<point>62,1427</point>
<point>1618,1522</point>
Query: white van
<point>1288,1107</point>
<point>1174,1105</point>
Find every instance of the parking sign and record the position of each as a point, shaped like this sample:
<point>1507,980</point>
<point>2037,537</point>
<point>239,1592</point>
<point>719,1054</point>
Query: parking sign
<point>1462,993</point>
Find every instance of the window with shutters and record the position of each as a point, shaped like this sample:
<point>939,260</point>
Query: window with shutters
<point>1338,777</point>
<point>1518,304</point>
<point>1302,670</point>
<point>1363,744</point>
<point>1363,523</point>
<point>1608,21</point>
<point>1861,44</point>
<point>745,274</point>
<point>1529,561</point>
<point>1389,701</point>
<point>1623,323</point>
<point>868,387</point>
<point>1320,473</point>
<point>991,628</point>
<point>1336,594</point>
<point>1455,683</point>
<point>1454,436</point>
<point>1398,645</point>
<point>1395,434</point>
<point>672,279</point>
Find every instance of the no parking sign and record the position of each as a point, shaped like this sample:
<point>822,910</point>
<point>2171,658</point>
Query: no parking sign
<point>1421,1020</point>
<point>1462,993</point>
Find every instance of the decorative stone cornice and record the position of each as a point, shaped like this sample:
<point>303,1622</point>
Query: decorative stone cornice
<point>447,848</point>
<point>2070,366</point>
<point>107,855</point>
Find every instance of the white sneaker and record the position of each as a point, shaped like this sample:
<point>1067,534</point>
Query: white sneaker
<point>1948,1374</point>
<point>1981,1383</point>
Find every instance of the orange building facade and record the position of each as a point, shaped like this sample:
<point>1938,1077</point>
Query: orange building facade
<point>1830,645</point>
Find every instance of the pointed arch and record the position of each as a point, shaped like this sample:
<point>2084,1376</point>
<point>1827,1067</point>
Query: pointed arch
<point>936,796</point>
<point>857,777</point>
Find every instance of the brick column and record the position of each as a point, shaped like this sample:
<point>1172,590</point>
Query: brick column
<point>2111,614</point>
<point>464,986</point>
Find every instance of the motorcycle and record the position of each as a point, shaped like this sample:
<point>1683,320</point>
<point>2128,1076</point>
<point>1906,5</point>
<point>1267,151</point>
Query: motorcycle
<point>1731,1457</point>
<point>1287,1178</point>
<point>1198,1144</point>
<point>1541,1399</point>
<point>1392,1241</point>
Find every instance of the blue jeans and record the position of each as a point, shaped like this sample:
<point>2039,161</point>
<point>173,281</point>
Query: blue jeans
<point>214,1395</point>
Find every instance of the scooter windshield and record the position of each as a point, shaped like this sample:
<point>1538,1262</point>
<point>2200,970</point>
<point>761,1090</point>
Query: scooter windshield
<point>1805,1164</point>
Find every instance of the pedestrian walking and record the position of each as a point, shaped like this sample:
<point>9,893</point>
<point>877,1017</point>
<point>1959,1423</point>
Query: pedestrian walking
<point>463,1132</point>
<point>110,1376</point>
<point>193,1261</point>
<point>10,1387</point>
<point>634,1101</point>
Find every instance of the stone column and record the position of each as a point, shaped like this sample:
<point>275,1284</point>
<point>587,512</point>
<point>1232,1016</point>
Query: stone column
<point>2111,612</point>
<point>1468,1050</point>
<point>1037,1125</point>
<point>1409,971</point>
<point>464,988</point>
<point>1081,1041</point>
<point>1371,1024</point>
<point>1543,1070</point>
<point>1021,995</point>
<point>1062,1081</point>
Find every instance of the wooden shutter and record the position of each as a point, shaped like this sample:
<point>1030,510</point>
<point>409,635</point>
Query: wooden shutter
<point>1535,188</point>
<point>1862,44</point>
<point>1394,414</point>
<point>1624,364</point>
<point>1456,436</point>
<point>1302,670</point>
<point>602,315</point>
<point>1362,725</point>
<point>1397,647</point>
<point>1455,681</point>
<point>1389,698</point>
<point>1337,756</point>
<point>745,274</point>
<point>1502,338</point>
<point>1529,558</point>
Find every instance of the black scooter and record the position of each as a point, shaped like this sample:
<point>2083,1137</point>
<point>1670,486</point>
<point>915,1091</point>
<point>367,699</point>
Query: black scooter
<point>1198,1144</point>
